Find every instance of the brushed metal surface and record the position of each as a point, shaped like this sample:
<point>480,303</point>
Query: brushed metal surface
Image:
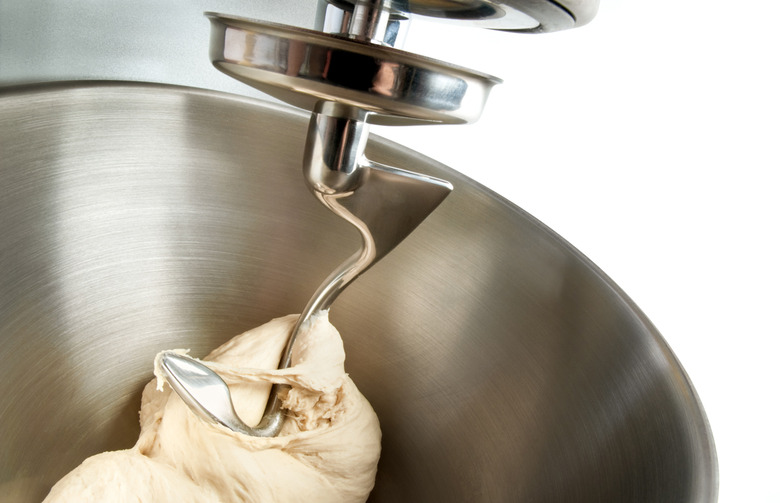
<point>503,365</point>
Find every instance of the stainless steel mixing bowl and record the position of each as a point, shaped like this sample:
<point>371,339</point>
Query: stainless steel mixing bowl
<point>503,365</point>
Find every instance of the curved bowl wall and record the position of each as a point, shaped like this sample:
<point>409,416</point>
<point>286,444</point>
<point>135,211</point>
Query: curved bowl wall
<point>503,365</point>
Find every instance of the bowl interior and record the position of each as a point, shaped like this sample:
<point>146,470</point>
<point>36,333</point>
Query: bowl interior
<point>503,365</point>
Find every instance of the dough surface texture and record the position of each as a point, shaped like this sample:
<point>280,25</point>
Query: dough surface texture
<point>327,451</point>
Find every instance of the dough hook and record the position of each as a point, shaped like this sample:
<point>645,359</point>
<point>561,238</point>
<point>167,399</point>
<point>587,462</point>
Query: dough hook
<point>384,203</point>
<point>349,78</point>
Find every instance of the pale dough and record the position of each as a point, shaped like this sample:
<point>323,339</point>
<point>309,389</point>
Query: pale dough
<point>327,451</point>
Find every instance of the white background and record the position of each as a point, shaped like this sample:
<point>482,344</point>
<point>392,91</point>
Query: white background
<point>650,139</point>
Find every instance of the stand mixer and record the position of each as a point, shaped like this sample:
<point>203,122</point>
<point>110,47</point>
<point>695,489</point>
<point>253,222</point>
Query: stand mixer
<point>346,80</point>
<point>168,212</point>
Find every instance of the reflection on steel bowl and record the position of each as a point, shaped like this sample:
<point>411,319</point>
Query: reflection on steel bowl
<point>502,364</point>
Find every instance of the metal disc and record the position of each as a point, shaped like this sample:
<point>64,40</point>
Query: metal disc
<point>303,67</point>
<point>527,16</point>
